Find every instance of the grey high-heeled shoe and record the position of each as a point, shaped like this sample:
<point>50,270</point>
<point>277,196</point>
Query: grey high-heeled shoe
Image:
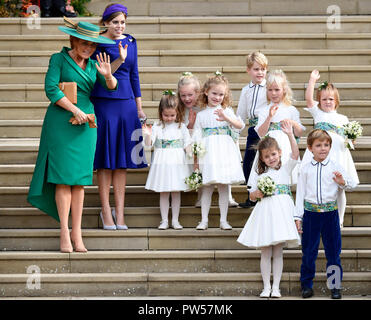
<point>119,226</point>
<point>107,227</point>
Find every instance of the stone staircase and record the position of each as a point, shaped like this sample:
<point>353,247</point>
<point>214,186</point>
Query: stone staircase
<point>144,261</point>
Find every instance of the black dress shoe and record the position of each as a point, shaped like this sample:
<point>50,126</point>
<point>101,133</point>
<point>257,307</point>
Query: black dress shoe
<point>247,204</point>
<point>336,294</point>
<point>307,292</point>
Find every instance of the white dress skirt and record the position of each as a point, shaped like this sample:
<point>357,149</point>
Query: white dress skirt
<point>338,151</point>
<point>272,220</point>
<point>222,160</point>
<point>283,112</point>
<point>168,168</point>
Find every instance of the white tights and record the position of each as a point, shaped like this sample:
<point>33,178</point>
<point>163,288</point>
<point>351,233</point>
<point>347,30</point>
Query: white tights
<point>165,204</point>
<point>207,192</point>
<point>265,265</point>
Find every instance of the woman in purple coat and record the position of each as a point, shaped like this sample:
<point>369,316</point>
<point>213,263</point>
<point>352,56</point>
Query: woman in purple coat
<point>119,141</point>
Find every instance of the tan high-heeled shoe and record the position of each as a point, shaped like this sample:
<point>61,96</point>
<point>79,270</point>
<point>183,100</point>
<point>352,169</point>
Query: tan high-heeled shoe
<point>64,238</point>
<point>80,248</point>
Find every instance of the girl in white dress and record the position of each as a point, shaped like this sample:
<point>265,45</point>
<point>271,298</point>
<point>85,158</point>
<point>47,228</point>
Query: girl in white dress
<point>217,128</point>
<point>189,89</point>
<point>325,116</point>
<point>271,224</point>
<point>168,168</point>
<point>279,111</point>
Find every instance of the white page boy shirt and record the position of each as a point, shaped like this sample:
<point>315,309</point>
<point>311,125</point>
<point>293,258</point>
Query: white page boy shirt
<point>316,184</point>
<point>253,99</point>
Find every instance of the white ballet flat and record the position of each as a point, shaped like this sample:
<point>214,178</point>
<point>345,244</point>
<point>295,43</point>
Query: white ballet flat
<point>106,227</point>
<point>265,293</point>
<point>176,225</point>
<point>202,225</point>
<point>224,225</point>
<point>163,225</point>
<point>119,226</point>
<point>276,293</point>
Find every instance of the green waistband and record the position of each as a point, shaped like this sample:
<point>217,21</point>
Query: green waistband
<point>277,126</point>
<point>165,144</point>
<point>325,207</point>
<point>220,131</point>
<point>330,127</point>
<point>283,189</point>
<point>253,122</point>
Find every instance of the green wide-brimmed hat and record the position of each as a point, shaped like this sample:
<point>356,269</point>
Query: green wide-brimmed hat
<point>84,30</point>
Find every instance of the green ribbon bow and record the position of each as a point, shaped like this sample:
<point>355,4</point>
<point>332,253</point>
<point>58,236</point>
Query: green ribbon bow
<point>323,85</point>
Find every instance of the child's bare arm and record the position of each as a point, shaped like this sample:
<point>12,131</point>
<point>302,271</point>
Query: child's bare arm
<point>263,129</point>
<point>314,77</point>
<point>287,128</point>
<point>254,196</point>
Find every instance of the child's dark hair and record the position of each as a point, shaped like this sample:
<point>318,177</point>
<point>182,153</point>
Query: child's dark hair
<point>266,142</point>
<point>169,101</point>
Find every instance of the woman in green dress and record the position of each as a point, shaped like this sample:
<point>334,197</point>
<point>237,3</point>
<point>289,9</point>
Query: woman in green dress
<point>66,153</point>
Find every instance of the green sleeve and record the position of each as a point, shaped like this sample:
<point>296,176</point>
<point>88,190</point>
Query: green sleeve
<point>102,81</point>
<point>52,79</point>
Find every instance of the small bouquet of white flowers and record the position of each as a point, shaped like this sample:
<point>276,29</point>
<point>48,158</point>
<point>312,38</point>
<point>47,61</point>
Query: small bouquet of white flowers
<point>197,149</point>
<point>267,186</point>
<point>194,181</point>
<point>352,131</point>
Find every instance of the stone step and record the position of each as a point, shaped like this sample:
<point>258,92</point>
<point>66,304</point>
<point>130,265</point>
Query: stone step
<point>21,174</point>
<point>153,239</point>
<point>164,261</point>
<point>208,41</point>
<point>204,58</point>
<point>170,284</point>
<point>153,92</point>
<point>156,75</point>
<point>24,150</point>
<point>26,110</point>
<point>32,128</point>
<point>15,197</point>
<point>149,217</point>
<point>232,8</point>
<point>210,24</point>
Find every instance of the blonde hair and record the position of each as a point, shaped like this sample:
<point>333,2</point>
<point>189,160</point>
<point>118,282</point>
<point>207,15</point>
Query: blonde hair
<point>257,57</point>
<point>279,77</point>
<point>169,101</point>
<point>330,88</point>
<point>318,134</point>
<point>184,80</point>
<point>214,80</point>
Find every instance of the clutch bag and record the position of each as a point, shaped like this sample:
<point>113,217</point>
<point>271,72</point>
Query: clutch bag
<point>70,90</point>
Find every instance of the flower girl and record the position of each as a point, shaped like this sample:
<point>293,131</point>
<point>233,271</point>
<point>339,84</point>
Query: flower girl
<point>217,128</point>
<point>168,169</point>
<point>271,224</point>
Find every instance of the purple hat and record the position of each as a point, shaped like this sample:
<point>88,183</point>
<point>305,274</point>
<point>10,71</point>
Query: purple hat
<point>112,9</point>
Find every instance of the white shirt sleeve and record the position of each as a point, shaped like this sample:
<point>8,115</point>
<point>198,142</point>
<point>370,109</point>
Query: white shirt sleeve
<point>242,108</point>
<point>300,196</point>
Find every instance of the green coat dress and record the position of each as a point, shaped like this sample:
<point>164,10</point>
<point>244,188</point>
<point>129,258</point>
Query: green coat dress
<point>66,151</point>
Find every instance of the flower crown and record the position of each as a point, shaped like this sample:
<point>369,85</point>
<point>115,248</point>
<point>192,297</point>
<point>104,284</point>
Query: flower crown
<point>323,85</point>
<point>168,93</point>
<point>187,74</point>
<point>218,73</point>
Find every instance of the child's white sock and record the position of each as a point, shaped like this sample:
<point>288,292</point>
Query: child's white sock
<point>164,205</point>
<point>277,265</point>
<point>175,205</point>
<point>223,201</point>
<point>207,192</point>
<point>265,266</point>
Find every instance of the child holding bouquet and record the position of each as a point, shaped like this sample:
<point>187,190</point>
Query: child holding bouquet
<point>325,116</point>
<point>271,224</point>
<point>168,169</point>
